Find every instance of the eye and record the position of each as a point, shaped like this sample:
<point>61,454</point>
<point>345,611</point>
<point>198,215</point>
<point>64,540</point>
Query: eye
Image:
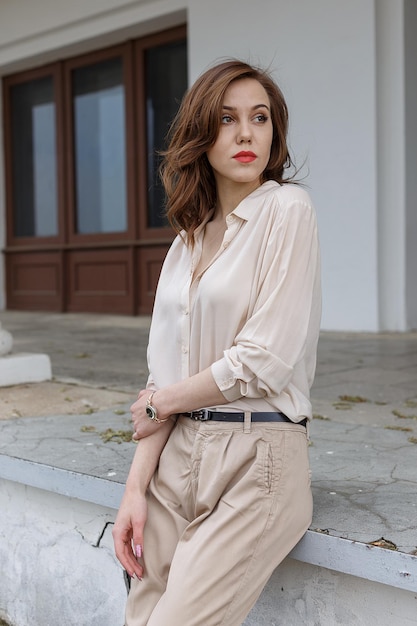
<point>226,119</point>
<point>261,118</point>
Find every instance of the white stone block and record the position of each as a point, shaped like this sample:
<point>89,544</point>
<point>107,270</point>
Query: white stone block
<point>6,341</point>
<point>16,369</point>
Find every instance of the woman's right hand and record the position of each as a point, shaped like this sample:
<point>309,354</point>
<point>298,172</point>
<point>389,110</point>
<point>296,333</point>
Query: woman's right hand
<point>128,533</point>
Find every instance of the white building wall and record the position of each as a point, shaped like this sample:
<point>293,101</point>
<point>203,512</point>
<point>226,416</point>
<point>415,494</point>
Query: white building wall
<point>325,55</point>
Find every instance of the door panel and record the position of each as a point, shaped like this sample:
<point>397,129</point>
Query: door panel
<point>148,267</point>
<point>34,281</point>
<point>100,281</point>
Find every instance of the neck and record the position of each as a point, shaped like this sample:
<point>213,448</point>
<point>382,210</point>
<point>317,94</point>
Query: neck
<point>230,194</point>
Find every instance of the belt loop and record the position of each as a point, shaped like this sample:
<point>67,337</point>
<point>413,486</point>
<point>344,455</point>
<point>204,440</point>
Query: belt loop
<point>247,422</point>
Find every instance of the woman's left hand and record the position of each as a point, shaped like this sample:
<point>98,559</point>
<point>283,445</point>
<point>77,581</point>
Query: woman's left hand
<point>142,425</point>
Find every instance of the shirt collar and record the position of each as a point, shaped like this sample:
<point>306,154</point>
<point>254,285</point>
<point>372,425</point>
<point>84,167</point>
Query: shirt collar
<point>245,209</point>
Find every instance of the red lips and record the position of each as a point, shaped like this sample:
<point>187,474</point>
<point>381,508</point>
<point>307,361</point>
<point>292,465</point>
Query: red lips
<point>245,156</point>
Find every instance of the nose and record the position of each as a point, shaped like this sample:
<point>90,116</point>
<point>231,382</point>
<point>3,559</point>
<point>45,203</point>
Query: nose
<point>244,134</point>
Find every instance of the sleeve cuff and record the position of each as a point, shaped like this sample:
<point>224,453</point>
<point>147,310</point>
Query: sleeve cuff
<point>226,382</point>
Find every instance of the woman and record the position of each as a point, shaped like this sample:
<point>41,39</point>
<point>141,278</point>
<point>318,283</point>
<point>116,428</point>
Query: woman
<point>219,488</point>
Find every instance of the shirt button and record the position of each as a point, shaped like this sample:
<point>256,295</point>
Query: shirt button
<point>184,349</point>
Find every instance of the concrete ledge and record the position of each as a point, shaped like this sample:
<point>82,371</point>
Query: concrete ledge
<point>16,369</point>
<point>92,489</point>
<point>389,567</point>
<point>380,565</point>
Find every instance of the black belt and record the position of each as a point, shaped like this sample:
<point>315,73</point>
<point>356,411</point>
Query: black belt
<point>203,415</point>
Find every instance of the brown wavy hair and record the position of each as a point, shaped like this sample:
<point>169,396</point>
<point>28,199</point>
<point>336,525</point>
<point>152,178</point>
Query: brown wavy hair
<point>185,170</point>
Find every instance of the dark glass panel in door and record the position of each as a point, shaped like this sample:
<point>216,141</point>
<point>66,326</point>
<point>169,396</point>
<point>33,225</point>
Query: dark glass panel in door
<point>34,159</point>
<point>100,147</point>
<point>166,82</point>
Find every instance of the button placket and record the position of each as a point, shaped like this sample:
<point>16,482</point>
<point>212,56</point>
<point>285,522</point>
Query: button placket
<point>185,328</point>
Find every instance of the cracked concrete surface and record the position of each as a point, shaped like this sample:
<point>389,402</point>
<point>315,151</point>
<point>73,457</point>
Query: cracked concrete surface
<point>363,457</point>
<point>365,483</point>
<point>58,566</point>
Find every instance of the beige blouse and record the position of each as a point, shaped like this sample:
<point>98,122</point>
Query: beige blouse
<point>253,314</point>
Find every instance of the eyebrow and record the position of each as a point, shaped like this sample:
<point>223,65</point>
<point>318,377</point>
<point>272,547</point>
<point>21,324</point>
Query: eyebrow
<point>256,106</point>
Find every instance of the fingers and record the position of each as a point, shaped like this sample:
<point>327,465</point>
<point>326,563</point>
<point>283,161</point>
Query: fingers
<point>135,419</point>
<point>139,404</point>
<point>135,408</point>
<point>142,425</point>
<point>138,417</point>
<point>126,554</point>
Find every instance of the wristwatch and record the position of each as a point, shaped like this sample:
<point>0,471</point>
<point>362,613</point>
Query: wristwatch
<point>151,411</point>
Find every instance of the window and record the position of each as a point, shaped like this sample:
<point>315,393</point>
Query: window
<point>100,147</point>
<point>166,82</point>
<point>33,156</point>
<point>97,167</point>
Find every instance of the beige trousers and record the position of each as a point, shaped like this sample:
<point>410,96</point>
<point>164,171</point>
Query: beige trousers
<point>226,506</point>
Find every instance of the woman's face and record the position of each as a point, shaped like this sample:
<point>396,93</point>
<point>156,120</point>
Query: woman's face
<point>242,149</point>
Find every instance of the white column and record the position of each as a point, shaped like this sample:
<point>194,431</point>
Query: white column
<point>391,182</point>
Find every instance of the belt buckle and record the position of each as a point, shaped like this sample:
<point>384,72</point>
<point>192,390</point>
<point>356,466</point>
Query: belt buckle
<point>202,415</point>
